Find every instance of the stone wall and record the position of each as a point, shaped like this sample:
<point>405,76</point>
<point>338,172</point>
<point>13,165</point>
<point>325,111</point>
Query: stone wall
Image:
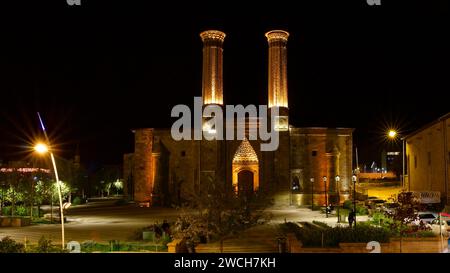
<point>143,184</point>
<point>428,157</point>
<point>406,245</point>
<point>318,152</point>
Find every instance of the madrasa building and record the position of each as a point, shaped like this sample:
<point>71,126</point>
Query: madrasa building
<point>164,171</point>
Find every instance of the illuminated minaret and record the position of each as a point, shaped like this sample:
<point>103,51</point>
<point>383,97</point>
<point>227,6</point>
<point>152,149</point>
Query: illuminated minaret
<point>278,98</point>
<point>212,85</point>
<point>278,89</point>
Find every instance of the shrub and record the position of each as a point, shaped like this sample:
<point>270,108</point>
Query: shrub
<point>422,234</point>
<point>361,210</point>
<point>21,211</point>
<point>90,246</point>
<point>348,204</point>
<point>380,219</point>
<point>6,210</point>
<point>77,201</point>
<point>46,246</point>
<point>312,237</point>
<point>321,224</point>
<point>8,245</point>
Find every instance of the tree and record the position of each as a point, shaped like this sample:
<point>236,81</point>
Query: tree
<point>405,214</point>
<point>43,193</point>
<point>220,213</point>
<point>118,185</point>
<point>15,182</point>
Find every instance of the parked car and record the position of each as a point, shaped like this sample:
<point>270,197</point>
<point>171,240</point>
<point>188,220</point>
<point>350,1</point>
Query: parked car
<point>444,228</point>
<point>370,198</point>
<point>375,203</point>
<point>390,207</point>
<point>427,217</point>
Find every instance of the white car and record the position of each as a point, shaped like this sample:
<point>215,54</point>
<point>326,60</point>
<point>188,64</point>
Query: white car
<point>444,228</point>
<point>427,217</point>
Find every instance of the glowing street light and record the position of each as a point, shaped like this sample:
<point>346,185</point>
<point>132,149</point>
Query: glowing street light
<point>392,134</point>
<point>42,148</point>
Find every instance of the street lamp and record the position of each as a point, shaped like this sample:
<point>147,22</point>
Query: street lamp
<point>354,178</point>
<point>326,196</point>
<point>392,134</point>
<point>42,148</point>
<point>338,198</point>
<point>312,193</point>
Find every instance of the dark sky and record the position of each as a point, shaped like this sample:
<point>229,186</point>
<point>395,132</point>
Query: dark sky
<point>98,70</point>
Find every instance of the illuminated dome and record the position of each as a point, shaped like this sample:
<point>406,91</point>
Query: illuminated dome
<point>245,153</point>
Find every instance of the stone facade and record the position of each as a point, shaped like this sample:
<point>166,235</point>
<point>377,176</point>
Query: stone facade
<point>163,171</point>
<point>174,170</point>
<point>428,158</point>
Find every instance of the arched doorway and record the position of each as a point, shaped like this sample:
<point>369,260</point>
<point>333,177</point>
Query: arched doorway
<point>245,168</point>
<point>296,184</point>
<point>245,183</point>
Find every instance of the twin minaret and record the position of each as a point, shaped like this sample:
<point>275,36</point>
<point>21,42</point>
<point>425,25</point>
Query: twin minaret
<point>212,84</point>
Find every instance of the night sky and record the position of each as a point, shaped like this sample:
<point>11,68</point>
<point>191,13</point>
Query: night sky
<point>98,70</point>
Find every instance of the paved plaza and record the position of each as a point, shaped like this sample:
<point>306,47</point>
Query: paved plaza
<point>104,221</point>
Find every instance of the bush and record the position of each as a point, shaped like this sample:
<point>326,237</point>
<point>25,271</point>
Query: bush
<point>6,210</point>
<point>422,234</point>
<point>361,233</point>
<point>77,201</point>
<point>361,210</point>
<point>321,224</point>
<point>90,246</point>
<point>21,211</point>
<point>348,204</point>
<point>8,245</point>
<point>46,246</point>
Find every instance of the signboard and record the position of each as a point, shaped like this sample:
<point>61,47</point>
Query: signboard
<point>428,197</point>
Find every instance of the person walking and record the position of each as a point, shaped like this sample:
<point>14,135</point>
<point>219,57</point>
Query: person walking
<point>351,218</point>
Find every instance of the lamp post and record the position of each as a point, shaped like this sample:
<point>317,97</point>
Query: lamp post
<point>393,134</point>
<point>354,195</point>
<point>338,198</point>
<point>326,196</point>
<point>312,193</point>
<point>42,148</point>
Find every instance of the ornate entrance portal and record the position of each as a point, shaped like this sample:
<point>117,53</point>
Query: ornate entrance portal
<point>245,169</point>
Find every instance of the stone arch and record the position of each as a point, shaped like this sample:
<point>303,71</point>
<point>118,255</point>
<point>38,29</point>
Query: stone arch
<point>245,159</point>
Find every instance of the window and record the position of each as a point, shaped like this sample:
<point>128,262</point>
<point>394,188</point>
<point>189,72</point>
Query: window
<point>314,153</point>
